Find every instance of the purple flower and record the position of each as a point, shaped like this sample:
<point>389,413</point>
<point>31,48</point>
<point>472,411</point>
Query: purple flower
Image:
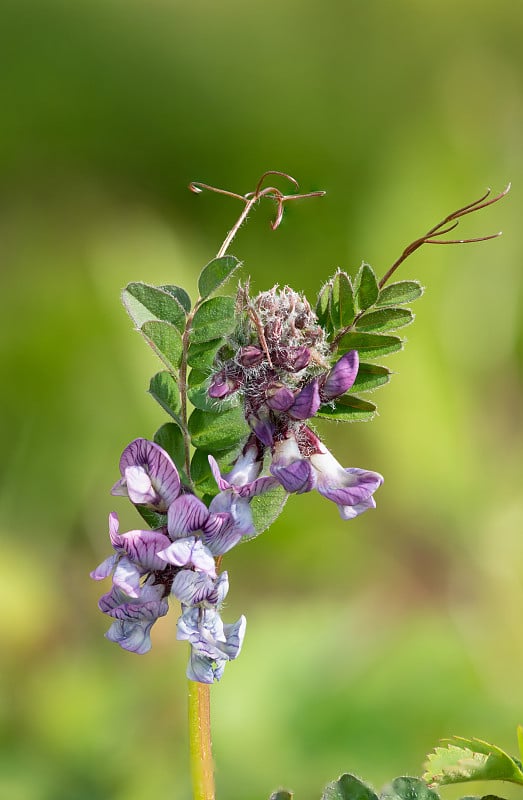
<point>134,616</point>
<point>212,642</point>
<point>340,378</point>
<point>149,476</point>
<point>301,462</point>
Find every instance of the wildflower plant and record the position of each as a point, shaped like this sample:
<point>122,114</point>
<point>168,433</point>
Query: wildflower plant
<point>244,376</point>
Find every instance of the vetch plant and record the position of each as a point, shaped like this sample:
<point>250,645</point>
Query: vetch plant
<point>244,377</point>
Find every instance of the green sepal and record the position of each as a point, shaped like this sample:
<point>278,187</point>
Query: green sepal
<point>348,787</point>
<point>222,431</point>
<point>202,355</point>
<point>341,301</point>
<point>471,760</point>
<point>370,345</point>
<point>348,408</point>
<point>179,294</point>
<point>366,289</point>
<point>152,518</point>
<point>386,319</point>
<point>145,303</point>
<point>201,471</point>
<point>323,305</point>
<point>408,789</point>
<point>216,273</point>
<point>164,389</point>
<point>166,342</point>
<point>397,294</point>
<point>370,376</point>
<point>214,319</point>
<point>170,437</point>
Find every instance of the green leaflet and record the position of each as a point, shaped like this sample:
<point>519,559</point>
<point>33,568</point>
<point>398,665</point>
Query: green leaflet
<point>201,356</point>
<point>164,389</point>
<point>400,293</point>
<point>222,431</point>
<point>170,437</point>
<point>471,760</point>
<point>366,287</point>
<point>369,345</point>
<point>341,301</point>
<point>323,305</point>
<point>267,507</point>
<point>180,295</point>
<point>370,376</point>
<point>145,303</point>
<point>348,787</point>
<point>152,518</point>
<point>166,342</point>
<point>214,319</point>
<point>386,319</point>
<point>215,273</point>
<point>348,408</point>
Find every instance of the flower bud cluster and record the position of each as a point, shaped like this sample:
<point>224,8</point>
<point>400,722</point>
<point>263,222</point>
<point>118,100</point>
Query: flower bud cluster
<point>179,557</point>
<point>282,370</point>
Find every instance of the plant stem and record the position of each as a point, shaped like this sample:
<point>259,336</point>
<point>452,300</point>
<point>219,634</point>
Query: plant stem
<point>200,748</point>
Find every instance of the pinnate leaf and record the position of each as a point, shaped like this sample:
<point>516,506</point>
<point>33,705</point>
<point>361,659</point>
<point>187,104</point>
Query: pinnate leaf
<point>400,293</point>
<point>471,760</point>
<point>145,303</point>
<point>341,301</point>
<point>215,273</point>
<point>348,787</point>
<point>348,408</point>
<point>408,789</point>
<point>267,507</point>
<point>370,376</point>
<point>222,431</point>
<point>164,389</point>
<point>165,340</point>
<point>214,319</point>
<point>369,345</point>
<point>386,319</point>
<point>366,287</point>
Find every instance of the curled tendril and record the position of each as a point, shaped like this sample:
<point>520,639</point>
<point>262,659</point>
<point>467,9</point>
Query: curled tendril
<point>448,224</point>
<point>268,191</point>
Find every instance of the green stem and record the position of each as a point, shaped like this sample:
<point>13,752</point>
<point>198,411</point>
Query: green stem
<point>200,747</point>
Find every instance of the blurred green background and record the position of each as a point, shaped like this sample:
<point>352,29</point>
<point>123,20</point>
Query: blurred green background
<point>369,640</point>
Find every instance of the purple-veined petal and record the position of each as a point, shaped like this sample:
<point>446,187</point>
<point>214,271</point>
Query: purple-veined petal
<point>221,533</point>
<point>157,464</point>
<point>234,636</point>
<point>346,487</point>
<point>134,636</point>
<point>349,512</point>
<point>203,669</point>
<point>127,577</point>
<point>104,569</point>
<point>221,482</point>
<point>280,398</point>
<point>307,402</point>
<point>194,588</point>
<point>120,488</point>
<point>190,551</point>
<point>142,547</point>
<point>341,377</point>
<point>295,477</point>
<point>139,486</point>
<point>186,515</point>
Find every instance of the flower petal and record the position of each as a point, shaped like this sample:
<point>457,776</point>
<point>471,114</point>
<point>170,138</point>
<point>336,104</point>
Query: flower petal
<point>142,547</point>
<point>307,402</point>
<point>280,398</point>
<point>296,477</point>
<point>104,569</point>
<point>189,551</point>
<point>341,377</point>
<point>221,533</point>
<point>157,464</point>
<point>203,669</point>
<point>186,514</point>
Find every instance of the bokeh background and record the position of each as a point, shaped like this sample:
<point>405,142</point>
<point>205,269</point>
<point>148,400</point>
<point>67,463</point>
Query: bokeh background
<point>368,640</point>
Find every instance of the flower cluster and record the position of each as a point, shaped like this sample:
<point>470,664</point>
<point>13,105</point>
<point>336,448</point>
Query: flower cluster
<point>179,557</point>
<point>282,370</point>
